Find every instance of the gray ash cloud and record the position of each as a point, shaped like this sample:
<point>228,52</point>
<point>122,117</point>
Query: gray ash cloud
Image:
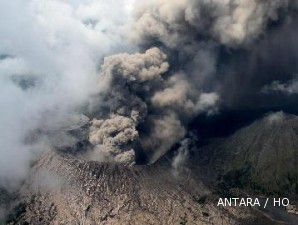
<point>228,22</point>
<point>138,90</point>
<point>215,54</point>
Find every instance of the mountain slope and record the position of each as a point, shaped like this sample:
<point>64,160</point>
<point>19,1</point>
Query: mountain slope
<point>262,155</point>
<point>65,190</point>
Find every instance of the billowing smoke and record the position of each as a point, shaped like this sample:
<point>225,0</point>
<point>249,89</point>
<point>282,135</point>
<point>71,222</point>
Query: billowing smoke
<point>234,48</point>
<point>197,64</point>
<point>143,107</point>
<point>228,22</point>
<point>114,139</point>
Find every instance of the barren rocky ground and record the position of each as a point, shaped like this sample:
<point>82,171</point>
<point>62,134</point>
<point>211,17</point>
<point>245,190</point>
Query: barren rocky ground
<point>65,190</point>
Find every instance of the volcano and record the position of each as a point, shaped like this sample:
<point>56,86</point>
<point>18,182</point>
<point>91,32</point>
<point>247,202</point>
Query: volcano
<point>65,190</point>
<point>68,189</point>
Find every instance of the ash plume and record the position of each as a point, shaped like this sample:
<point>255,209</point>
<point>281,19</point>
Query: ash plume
<point>162,63</point>
<point>234,48</point>
<point>228,22</point>
<point>203,57</point>
<point>114,138</point>
<point>143,107</point>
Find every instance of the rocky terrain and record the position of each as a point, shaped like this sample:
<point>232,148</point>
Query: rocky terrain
<point>262,156</point>
<point>65,190</point>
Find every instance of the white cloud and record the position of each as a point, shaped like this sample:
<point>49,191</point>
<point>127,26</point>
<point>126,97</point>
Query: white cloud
<point>275,117</point>
<point>289,88</point>
<point>48,45</point>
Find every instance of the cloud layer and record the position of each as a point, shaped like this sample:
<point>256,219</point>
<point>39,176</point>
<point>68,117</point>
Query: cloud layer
<point>49,58</point>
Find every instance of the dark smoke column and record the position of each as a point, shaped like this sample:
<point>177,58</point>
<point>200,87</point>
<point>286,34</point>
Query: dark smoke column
<point>142,107</point>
